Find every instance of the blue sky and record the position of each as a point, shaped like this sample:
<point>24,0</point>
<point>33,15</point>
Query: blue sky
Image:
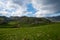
<point>30,8</point>
<point>34,8</point>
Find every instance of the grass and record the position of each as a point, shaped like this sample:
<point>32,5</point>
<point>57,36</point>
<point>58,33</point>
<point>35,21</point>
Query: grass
<point>46,32</point>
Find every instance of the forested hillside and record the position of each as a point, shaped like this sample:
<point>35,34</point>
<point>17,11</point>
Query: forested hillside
<point>23,21</point>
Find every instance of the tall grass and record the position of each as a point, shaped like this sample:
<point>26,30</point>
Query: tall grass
<point>47,32</point>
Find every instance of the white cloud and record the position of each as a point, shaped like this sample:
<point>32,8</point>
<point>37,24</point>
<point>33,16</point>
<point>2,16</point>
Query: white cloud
<point>43,8</point>
<point>10,8</point>
<point>18,7</point>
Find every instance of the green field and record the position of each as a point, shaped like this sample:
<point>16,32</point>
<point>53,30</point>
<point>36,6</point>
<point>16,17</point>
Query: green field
<point>46,32</point>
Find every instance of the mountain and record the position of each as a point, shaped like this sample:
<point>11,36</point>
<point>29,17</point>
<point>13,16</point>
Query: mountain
<point>28,20</point>
<point>54,19</point>
<point>23,21</point>
<point>3,19</point>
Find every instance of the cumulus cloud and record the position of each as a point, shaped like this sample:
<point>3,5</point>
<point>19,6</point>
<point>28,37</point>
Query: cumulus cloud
<point>39,8</point>
<point>8,8</point>
<point>45,7</point>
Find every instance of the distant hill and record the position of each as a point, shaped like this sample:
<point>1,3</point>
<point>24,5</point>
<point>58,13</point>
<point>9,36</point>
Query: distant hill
<point>24,21</point>
<point>54,19</point>
<point>3,19</point>
<point>29,20</point>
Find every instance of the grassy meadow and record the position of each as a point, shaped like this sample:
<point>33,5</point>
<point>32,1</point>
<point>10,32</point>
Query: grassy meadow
<point>46,32</point>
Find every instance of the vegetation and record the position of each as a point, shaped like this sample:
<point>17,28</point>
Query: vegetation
<point>16,22</point>
<point>47,32</point>
<point>28,28</point>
